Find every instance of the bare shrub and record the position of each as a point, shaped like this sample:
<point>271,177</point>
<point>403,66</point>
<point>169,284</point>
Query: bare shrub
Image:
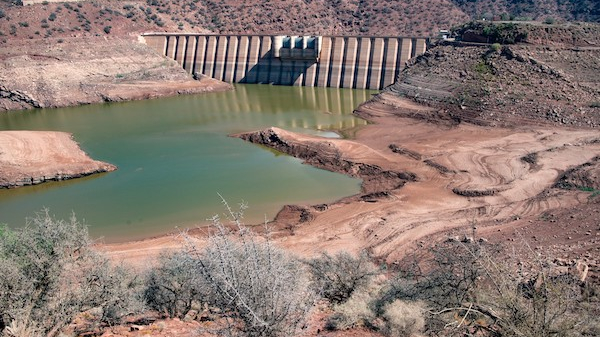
<point>174,284</point>
<point>258,288</point>
<point>469,290</point>
<point>337,277</point>
<point>403,318</point>
<point>533,302</point>
<point>356,311</point>
<point>21,328</point>
<point>444,277</point>
<point>50,274</point>
<point>397,318</point>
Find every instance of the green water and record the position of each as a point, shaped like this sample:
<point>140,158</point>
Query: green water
<point>174,156</point>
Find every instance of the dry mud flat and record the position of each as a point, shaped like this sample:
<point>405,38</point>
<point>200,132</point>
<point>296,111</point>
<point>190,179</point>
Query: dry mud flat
<point>48,73</point>
<point>33,157</point>
<point>436,180</point>
<point>425,182</point>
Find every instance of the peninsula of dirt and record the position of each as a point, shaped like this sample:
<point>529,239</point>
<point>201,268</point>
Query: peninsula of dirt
<point>53,73</point>
<point>33,157</point>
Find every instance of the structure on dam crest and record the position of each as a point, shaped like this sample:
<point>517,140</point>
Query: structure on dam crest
<point>322,61</point>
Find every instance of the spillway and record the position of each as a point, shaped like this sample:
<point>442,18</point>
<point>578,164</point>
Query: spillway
<point>356,62</point>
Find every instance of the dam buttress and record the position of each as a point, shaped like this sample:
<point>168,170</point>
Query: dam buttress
<point>312,61</point>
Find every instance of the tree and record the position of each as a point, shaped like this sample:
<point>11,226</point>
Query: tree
<point>50,274</point>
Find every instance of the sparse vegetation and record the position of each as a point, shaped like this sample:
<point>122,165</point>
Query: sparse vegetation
<point>337,277</point>
<point>50,274</point>
<point>259,289</point>
<point>174,284</point>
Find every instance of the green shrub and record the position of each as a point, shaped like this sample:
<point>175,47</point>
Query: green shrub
<point>503,33</point>
<point>107,29</point>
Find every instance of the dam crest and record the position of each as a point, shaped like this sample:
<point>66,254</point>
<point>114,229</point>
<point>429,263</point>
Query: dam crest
<point>356,62</point>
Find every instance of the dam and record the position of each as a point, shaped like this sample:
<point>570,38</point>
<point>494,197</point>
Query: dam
<point>355,62</point>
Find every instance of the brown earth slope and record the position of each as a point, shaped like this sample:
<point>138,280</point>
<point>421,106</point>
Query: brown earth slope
<point>502,140</point>
<point>552,79</point>
<point>344,17</point>
<point>46,73</point>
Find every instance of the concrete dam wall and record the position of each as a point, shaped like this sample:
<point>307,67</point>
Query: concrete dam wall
<point>313,61</point>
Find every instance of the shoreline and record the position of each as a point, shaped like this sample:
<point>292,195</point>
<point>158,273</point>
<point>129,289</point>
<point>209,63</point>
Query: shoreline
<point>34,157</point>
<point>81,71</point>
<point>455,172</point>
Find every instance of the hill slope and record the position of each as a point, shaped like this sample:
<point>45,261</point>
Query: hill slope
<point>364,17</point>
<point>550,79</point>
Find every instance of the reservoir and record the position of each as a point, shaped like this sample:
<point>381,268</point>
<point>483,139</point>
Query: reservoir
<point>174,157</point>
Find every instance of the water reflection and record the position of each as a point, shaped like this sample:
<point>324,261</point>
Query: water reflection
<point>174,156</point>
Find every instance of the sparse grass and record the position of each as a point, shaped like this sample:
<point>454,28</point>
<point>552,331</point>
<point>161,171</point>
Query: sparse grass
<point>594,192</point>
<point>483,68</point>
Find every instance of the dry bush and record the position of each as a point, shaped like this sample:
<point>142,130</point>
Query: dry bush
<point>50,274</point>
<point>337,277</point>
<point>355,311</point>
<point>259,289</point>
<point>397,318</point>
<point>174,284</point>
<point>533,301</point>
<point>403,318</point>
<point>469,290</point>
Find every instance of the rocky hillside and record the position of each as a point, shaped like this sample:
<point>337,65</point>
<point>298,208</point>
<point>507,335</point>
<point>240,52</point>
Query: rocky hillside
<point>364,17</point>
<point>552,77</point>
<point>551,10</point>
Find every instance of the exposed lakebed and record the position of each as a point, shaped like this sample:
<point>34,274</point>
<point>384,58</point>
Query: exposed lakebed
<point>174,156</point>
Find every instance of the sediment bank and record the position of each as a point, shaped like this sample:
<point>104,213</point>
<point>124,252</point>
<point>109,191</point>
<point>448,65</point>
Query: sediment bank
<point>34,157</point>
<point>49,73</point>
<point>395,215</point>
